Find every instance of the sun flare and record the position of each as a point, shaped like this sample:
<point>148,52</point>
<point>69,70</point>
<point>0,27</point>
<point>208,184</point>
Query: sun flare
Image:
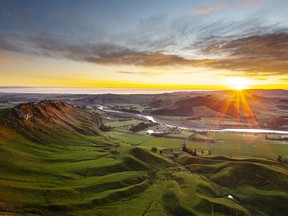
<point>238,83</point>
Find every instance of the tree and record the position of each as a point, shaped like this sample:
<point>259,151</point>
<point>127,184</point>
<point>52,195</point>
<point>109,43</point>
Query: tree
<point>194,152</point>
<point>154,149</point>
<point>184,148</point>
<point>279,158</point>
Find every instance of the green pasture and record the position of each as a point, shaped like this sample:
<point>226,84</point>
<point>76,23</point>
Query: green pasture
<point>75,174</point>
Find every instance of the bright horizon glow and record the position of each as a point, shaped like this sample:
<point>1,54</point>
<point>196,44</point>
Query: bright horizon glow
<point>65,90</point>
<point>239,83</point>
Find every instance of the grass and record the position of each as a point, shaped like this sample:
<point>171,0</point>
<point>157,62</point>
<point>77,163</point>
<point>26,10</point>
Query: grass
<point>128,106</point>
<point>69,173</point>
<point>247,150</point>
<point>118,123</point>
<point>239,145</point>
<point>226,144</point>
<point>53,177</point>
<point>232,137</point>
<point>3,113</point>
<point>6,105</point>
<point>133,138</point>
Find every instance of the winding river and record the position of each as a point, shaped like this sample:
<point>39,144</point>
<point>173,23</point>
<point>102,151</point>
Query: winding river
<point>151,118</point>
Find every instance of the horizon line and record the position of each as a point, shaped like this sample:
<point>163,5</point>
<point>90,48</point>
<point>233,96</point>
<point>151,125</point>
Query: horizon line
<point>142,88</point>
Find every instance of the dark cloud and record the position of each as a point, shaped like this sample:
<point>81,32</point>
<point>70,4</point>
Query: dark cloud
<point>254,55</point>
<point>95,53</point>
<point>262,47</point>
<point>262,54</point>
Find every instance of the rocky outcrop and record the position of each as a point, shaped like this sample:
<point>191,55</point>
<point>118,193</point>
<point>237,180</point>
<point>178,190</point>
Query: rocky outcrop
<point>22,111</point>
<point>46,110</point>
<point>53,114</point>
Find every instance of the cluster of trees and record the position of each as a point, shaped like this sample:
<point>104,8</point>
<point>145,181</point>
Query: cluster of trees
<point>141,126</point>
<point>154,149</point>
<point>190,151</point>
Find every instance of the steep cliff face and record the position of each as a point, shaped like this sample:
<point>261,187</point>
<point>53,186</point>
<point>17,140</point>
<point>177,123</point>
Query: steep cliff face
<point>46,110</point>
<point>54,115</point>
<point>23,113</point>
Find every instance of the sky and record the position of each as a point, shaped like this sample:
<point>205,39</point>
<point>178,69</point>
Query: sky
<point>184,44</point>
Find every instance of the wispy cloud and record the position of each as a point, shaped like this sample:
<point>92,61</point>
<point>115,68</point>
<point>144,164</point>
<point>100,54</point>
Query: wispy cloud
<point>255,55</point>
<point>96,53</point>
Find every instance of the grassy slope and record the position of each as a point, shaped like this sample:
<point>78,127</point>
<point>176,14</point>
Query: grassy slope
<point>69,173</point>
<point>96,176</point>
<point>74,172</point>
<point>258,185</point>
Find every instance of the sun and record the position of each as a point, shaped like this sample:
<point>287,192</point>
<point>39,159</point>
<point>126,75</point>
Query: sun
<point>238,83</point>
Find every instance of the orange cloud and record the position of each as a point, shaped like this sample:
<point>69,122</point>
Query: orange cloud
<point>213,8</point>
<point>224,6</point>
<point>3,59</point>
<point>251,3</point>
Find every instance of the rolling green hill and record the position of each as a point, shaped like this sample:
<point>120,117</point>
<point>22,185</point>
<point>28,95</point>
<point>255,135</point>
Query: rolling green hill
<point>56,160</point>
<point>184,107</point>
